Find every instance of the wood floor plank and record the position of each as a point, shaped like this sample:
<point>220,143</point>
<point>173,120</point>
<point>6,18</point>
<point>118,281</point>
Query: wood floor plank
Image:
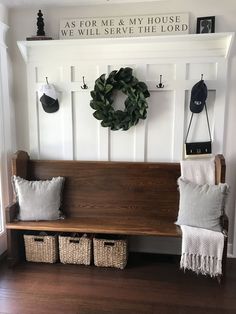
<point>150,284</point>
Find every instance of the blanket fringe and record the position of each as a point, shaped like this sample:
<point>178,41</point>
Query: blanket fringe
<point>206,265</point>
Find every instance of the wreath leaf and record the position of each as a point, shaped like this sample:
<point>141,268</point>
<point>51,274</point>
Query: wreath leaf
<point>108,88</point>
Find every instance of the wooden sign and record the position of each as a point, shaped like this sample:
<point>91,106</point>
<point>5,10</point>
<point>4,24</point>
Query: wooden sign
<point>127,26</point>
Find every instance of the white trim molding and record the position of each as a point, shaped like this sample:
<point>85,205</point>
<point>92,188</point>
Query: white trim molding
<point>5,134</point>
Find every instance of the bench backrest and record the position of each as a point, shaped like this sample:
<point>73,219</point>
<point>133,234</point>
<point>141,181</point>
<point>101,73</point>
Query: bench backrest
<point>118,189</point>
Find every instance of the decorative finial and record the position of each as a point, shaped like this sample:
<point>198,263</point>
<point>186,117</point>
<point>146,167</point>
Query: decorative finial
<point>40,24</point>
<point>40,31</point>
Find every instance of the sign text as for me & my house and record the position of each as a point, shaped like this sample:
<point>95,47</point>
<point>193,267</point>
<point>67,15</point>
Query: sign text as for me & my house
<point>128,26</point>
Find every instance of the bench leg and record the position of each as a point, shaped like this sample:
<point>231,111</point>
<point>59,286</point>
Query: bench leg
<point>221,279</point>
<point>15,247</point>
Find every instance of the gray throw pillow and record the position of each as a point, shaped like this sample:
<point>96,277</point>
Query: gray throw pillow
<point>38,200</point>
<point>201,205</point>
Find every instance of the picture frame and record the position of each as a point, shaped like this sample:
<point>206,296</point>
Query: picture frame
<point>205,25</point>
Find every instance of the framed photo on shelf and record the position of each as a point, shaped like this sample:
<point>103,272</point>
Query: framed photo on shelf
<point>206,24</point>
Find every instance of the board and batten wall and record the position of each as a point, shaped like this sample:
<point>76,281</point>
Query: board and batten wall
<point>160,137</point>
<point>73,132</point>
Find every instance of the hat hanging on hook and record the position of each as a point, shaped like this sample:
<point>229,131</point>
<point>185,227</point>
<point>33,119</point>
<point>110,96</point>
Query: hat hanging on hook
<point>198,96</point>
<point>48,97</point>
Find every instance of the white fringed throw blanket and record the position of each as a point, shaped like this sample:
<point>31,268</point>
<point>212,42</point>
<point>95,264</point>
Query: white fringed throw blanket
<point>199,171</point>
<point>202,251</point>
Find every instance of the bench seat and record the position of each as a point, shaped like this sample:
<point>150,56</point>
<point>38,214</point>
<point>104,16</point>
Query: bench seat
<point>105,225</point>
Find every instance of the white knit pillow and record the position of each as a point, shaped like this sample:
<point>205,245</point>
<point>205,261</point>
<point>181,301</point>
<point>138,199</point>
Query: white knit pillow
<point>201,205</point>
<point>38,200</point>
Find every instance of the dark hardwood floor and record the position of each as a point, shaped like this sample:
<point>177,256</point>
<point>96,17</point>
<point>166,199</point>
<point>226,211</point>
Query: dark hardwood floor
<point>150,284</point>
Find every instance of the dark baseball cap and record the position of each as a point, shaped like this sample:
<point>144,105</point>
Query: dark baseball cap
<point>48,98</point>
<point>198,97</point>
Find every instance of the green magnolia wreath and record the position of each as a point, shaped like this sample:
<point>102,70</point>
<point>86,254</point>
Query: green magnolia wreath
<point>135,103</point>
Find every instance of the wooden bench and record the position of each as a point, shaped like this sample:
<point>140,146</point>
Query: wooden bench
<point>126,198</point>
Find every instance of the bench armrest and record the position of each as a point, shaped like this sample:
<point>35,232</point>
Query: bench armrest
<point>224,222</point>
<point>11,212</point>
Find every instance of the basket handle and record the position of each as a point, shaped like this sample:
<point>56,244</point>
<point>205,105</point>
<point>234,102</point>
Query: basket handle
<point>74,240</point>
<point>109,243</point>
<point>39,239</point>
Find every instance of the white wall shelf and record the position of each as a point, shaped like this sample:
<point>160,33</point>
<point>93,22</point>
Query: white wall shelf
<point>174,46</point>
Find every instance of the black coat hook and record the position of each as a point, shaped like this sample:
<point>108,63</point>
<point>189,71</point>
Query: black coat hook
<point>47,80</point>
<point>84,85</point>
<point>201,77</point>
<point>160,85</point>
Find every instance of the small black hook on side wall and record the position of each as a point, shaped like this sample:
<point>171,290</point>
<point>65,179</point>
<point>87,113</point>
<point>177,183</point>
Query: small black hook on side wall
<point>160,85</point>
<point>84,85</point>
<point>47,80</point>
<point>201,77</point>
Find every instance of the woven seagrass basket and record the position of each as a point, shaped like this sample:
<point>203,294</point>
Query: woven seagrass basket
<point>110,252</point>
<point>75,250</point>
<point>41,248</point>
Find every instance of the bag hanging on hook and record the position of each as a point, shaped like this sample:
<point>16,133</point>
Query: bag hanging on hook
<point>198,148</point>
<point>193,149</point>
<point>197,103</point>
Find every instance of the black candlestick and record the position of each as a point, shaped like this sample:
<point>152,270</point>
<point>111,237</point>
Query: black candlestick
<point>40,24</point>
